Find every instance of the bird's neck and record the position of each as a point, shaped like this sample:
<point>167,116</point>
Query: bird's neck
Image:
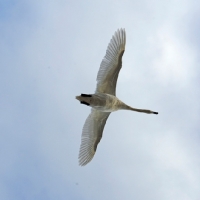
<point>123,106</point>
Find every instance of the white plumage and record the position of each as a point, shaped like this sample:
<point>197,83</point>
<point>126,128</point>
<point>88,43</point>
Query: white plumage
<point>104,101</point>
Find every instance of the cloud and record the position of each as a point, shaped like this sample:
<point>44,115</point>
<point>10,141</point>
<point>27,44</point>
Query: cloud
<point>51,52</point>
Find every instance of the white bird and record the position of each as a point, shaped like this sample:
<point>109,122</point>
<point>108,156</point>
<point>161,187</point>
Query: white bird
<point>104,101</point>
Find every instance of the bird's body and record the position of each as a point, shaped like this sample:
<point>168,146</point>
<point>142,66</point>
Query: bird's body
<point>104,101</point>
<point>107,103</point>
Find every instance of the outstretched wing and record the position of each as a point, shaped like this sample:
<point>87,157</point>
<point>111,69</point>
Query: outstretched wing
<point>111,64</point>
<point>91,135</point>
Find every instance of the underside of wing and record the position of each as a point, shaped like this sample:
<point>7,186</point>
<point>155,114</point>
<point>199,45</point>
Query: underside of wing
<point>91,135</point>
<point>111,63</point>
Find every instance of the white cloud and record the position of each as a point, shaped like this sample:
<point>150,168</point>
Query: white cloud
<point>53,55</point>
<point>175,60</point>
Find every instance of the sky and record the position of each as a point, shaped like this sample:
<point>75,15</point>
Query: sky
<point>50,51</point>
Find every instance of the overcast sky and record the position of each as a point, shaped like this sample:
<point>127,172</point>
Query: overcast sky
<point>50,51</point>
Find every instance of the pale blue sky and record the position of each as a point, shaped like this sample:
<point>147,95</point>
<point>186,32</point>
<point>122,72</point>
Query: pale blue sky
<point>50,51</point>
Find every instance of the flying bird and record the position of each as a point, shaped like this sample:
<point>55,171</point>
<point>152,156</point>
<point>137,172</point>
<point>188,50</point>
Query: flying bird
<point>104,100</point>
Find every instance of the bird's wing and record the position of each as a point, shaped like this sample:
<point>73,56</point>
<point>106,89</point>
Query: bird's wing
<point>111,64</point>
<point>91,135</point>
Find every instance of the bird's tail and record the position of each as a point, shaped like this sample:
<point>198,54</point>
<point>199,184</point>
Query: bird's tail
<point>84,99</point>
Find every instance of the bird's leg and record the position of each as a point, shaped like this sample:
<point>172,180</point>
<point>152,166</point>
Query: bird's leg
<point>84,99</point>
<point>86,95</point>
<point>83,102</point>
